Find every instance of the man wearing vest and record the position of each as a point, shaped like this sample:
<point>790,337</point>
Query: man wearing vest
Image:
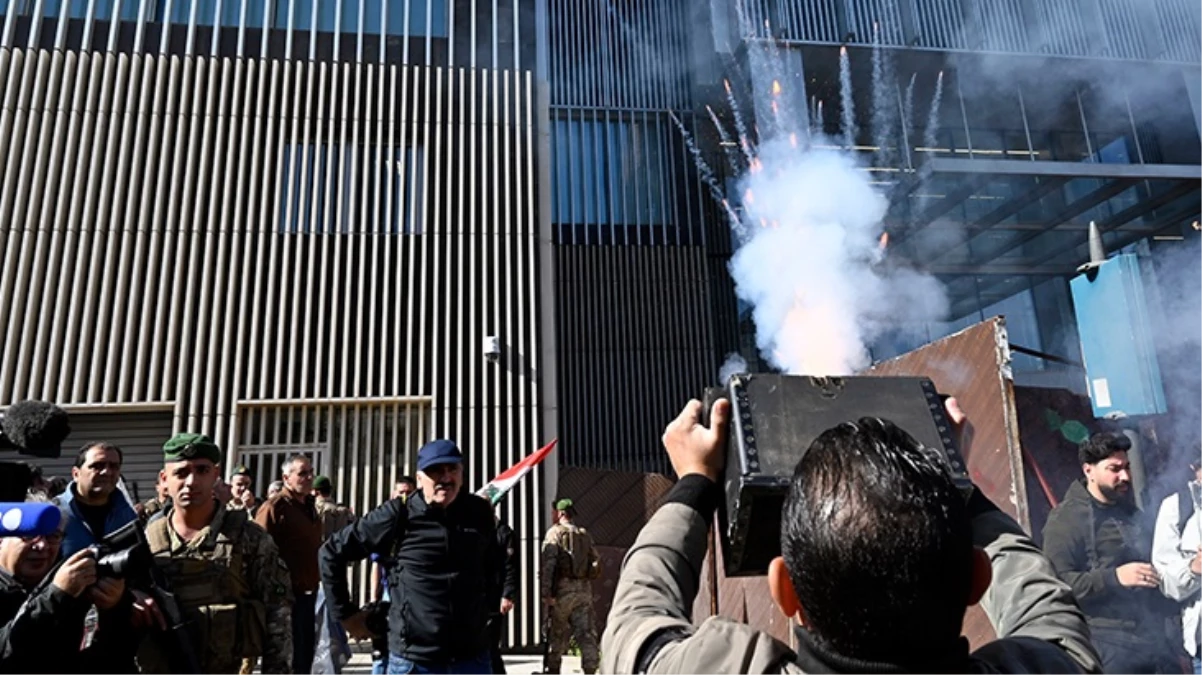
<point>334,516</point>
<point>444,549</point>
<point>225,571</point>
<point>570,563</point>
<point>1177,556</point>
<point>242,493</point>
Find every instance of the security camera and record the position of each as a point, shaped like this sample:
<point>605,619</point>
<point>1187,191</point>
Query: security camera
<point>492,348</point>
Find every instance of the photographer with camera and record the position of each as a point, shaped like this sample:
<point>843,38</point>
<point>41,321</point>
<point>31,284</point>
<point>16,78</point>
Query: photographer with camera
<point>882,556</point>
<point>43,608</point>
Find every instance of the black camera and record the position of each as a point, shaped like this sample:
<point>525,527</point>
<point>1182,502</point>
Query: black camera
<point>123,554</point>
<point>775,418</point>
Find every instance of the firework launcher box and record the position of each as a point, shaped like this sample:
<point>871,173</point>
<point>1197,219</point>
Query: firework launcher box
<point>774,420</point>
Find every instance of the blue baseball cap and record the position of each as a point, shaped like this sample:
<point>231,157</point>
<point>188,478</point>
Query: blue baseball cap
<point>440,451</point>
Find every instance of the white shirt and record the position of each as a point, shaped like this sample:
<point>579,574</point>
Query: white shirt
<point>1172,552</point>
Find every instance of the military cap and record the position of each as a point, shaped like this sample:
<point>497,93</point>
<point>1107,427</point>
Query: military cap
<point>240,470</point>
<point>563,505</point>
<point>321,483</point>
<point>191,446</point>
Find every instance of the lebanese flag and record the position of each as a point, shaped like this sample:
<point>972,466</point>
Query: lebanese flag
<point>498,487</point>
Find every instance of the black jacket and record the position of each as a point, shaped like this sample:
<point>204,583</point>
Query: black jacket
<point>1087,541</point>
<point>42,633</point>
<point>442,576</point>
<point>505,577</point>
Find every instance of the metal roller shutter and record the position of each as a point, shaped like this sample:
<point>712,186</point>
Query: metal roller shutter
<point>140,435</point>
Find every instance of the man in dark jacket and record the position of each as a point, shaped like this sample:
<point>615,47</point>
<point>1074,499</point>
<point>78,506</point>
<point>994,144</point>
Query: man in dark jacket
<point>505,589</point>
<point>445,555</point>
<point>1100,546</point>
<point>881,558</point>
<point>42,621</point>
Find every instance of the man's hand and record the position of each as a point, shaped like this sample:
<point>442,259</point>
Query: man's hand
<point>356,626</point>
<point>146,612</point>
<point>1138,575</point>
<point>1195,565</point>
<point>506,605</point>
<point>107,592</point>
<point>75,575</point>
<point>692,447</point>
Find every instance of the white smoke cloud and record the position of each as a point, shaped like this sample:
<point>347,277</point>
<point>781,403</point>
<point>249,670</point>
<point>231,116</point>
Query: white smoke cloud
<point>812,266</point>
<point>734,365</point>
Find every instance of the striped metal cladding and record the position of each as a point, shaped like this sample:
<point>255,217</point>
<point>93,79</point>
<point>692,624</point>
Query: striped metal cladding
<point>225,234</point>
<point>1158,30</point>
<point>635,341</point>
<point>630,55</point>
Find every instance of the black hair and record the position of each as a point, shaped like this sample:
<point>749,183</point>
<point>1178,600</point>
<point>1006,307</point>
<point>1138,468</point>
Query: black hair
<point>102,445</point>
<point>1196,457</point>
<point>877,541</point>
<point>407,479</point>
<point>1102,445</point>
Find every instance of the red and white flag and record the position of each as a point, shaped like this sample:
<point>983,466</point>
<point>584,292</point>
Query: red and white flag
<point>498,487</point>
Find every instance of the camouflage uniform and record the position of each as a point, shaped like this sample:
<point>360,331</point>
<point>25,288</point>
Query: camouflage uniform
<point>233,590</point>
<point>570,562</point>
<point>149,508</point>
<point>333,516</point>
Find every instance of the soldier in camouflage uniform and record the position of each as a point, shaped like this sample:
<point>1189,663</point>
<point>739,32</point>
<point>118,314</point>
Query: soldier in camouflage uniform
<point>232,588</point>
<point>147,509</point>
<point>570,563</point>
<point>333,516</point>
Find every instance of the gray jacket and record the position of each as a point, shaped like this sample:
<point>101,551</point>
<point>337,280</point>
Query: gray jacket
<point>1038,622</point>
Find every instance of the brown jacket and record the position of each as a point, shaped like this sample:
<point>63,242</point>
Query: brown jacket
<point>296,528</point>
<point>649,630</point>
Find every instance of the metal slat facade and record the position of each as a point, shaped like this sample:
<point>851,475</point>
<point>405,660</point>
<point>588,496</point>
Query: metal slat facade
<point>633,336</point>
<point>1083,28</point>
<point>219,234</point>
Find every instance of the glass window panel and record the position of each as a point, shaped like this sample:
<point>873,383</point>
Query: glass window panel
<point>327,15</point>
<point>206,12</point>
<point>350,16</point>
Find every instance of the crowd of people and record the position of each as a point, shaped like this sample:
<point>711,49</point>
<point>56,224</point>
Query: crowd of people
<point>221,582</point>
<point>882,554</point>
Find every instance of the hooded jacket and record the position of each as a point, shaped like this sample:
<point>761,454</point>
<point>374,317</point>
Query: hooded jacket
<point>79,534</point>
<point>1087,541</point>
<point>1039,626</point>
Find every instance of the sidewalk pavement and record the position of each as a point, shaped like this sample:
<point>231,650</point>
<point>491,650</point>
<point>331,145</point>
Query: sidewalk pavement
<point>520,664</point>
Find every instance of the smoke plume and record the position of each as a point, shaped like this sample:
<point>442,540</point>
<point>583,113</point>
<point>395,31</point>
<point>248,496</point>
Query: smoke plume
<point>813,265</point>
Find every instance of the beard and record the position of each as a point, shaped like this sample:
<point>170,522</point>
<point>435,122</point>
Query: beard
<point>1117,495</point>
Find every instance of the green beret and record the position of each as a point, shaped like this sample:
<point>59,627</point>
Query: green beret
<point>321,483</point>
<point>191,446</point>
<point>563,505</point>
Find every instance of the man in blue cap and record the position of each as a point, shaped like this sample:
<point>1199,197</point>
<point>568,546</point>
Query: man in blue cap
<point>445,554</point>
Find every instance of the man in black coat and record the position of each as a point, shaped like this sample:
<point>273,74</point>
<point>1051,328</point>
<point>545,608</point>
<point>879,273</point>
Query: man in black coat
<point>445,555</point>
<point>505,590</point>
<point>1099,544</point>
<point>42,620</point>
